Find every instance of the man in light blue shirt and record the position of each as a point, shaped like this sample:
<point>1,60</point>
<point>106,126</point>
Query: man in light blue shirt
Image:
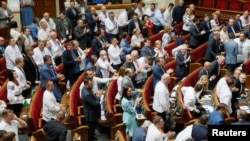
<point>159,22</point>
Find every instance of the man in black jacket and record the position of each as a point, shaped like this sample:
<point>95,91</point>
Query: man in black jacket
<point>55,130</point>
<point>92,107</point>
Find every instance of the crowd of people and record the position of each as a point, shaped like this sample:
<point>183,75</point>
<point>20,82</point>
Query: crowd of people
<point>122,51</point>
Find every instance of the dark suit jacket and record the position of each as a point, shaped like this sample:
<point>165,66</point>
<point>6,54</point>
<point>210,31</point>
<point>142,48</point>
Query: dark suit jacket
<point>147,51</point>
<point>2,51</point>
<point>206,27</point>
<point>236,94</point>
<point>241,122</point>
<point>158,71</point>
<point>230,30</point>
<point>91,23</point>
<point>73,17</point>
<point>178,13</point>
<point>131,27</point>
<point>214,70</point>
<point>55,131</point>
<point>69,62</point>
<point>237,27</point>
<point>62,30</point>
<point>194,36</point>
<point>80,37</point>
<point>92,107</point>
<point>203,72</point>
<point>212,50</point>
<point>31,70</point>
<point>78,8</point>
<point>199,132</point>
<point>97,46</point>
<point>182,68</point>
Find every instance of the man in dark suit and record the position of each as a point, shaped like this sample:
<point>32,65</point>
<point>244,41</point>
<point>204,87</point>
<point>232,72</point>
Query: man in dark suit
<point>80,33</point>
<point>2,47</point>
<point>213,48</point>
<point>64,27</point>
<point>200,131</point>
<point>183,59</point>
<point>230,28</point>
<point>132,24</point>
<point>147,50</point>
<point>215,70</point>
<point>72,14</point>
<point>30,68</point>
<point>55,130</point>
<point>47,72</point>
<point>178,12</point>
<point>242,117</point>
<point>205,70</point>
<point>92,20</point>
<point>237,24</point>
<point>206,26</point>
<point>195,34</point>
<point>71,61</point>
<point>97,43</point>
<point>5,14</point>
<point>92,107</point>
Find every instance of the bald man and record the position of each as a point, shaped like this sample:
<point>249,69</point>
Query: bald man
<point>50,23</point>
<point>205,69</point>
<point>213,48</point>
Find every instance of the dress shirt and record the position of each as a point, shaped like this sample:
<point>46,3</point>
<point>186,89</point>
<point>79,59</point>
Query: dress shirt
<point>111,26</point>
<point>12,127</point>
<point>150,14</point>
<point>123,19</point>
<point>114,54</point>
<point>154,134</point>
<point>190,97</point>
<point>136,40</point>
<point>56,46</point>
<point>11,53</point>
<point>159,19</point>
<point>185,134</point>
<point>105,67</point>
<point>38,56</point>
<point>224,36</point>
<point>103,16</point>
<point>50,106</point>
<point>161,97</point>
<point>43,34</point>
<point>244,50</point>
<point>244,21</point>
<point>51,24</point>
<point>21,77</point>
<point>167,15</point>
<point>14,93</point>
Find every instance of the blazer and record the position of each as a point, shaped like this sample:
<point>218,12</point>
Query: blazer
<point>237,26</point>
<point>69,63</point>
<point>91,104</point>
<point>55,131</point>
<point>158,71</point>
<point>97,46</point>
<point>73,17</point>
<point>231,49</point>
<point>215,70</point>
<point>127,82</point>
<point>205,26</point>
<point>230,30</point>
<point>131,27</point>
<point>80,36</point>
<point>203,71</point>
<point>31,70</point>
<point>212,50</point>
<point>78,8</point>
<point>241,122</point>
<point>62,30</point>
<point>194,36</point>
<point>91,23</point>
<point>47,73</point>
<point>3,19</point>
<point>182,68</point>
<point>2,48</point>
<point>147,51</point>
<point>199,132</point>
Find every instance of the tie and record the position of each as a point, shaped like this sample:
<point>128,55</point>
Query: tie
<point>233,29</point>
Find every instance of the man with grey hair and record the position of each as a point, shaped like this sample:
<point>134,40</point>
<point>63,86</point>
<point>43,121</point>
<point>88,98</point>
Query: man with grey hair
<point>242,117</point>
<point>140,133</point>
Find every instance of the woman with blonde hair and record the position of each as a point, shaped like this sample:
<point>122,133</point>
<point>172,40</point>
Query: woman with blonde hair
<point>204,82</point>
<point>168,36</point>
<point>136,39</point>
<point>159,51</point>
<point>187,21</point>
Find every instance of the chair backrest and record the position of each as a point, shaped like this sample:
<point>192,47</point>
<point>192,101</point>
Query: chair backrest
<point>246,67</point>
<point>155,37</point>
<point>246,6</point>
<point>2,64</point>
<point>74,98</point>
<point>115,128</point>
<point>208,3</point>
<point>35,109</point>
<point>3,92</point>
<point>147,92</point>
<point>60,68</point>
<point>111,93</point>
<point>222,4</point>
<point>39,135</point>
<point>235,5</point>
<point>198,53</point>
<point>119,136</point>
<point>178,27</point>
<point>81,131</point>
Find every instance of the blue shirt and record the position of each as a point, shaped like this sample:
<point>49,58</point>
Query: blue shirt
<point>139,134</point>
<point>216,118</point>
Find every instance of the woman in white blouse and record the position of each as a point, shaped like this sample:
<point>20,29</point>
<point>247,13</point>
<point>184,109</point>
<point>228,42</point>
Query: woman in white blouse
<point>136,39</point>
<point>215,21</point>
<point>13,30</point>
<point>159,51</point>
<point>121,74</point>
<point>14,93</point>
<point>168,36</point>
<point>188,21</point>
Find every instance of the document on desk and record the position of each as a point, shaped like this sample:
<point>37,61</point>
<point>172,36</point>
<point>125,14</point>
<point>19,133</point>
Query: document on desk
<point>244,107</point>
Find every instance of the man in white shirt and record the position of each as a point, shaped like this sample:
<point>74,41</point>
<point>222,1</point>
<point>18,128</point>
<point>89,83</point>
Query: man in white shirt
<point>114,52</point>
<point>103,15</point>
<point>243,48</point>
<point>50,106</point>
<point>111,26</point>
<point>150,11</point>
<point>123,20</point>
<point>43,33</point>
<point>167,15</point>
<point>11,122</point>
<point>104,65</point>
<point>140,10</point>
<point>161,103</point>
<point>39,53</point>
<point>51,24</point>
<point>245,19</point>
<point>154,132</point>
<point>11,53</point>
<point>23,83</point>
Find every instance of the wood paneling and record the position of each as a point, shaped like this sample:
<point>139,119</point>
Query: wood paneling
<point>42,6</point>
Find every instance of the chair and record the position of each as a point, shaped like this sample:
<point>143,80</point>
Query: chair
<point>39,135</point>
<point>215,97</point>
<point>82,131</point>
<point>178,27</point>
<point>208,3</point>
<point>246,67</point>
<point>120,136</point>
<point>115,128</point>
<point>222,4</point>
<point>156,37</point>
<point>235,5</point>
<point>194,66</point>
<point>246,6</point>
<point>198,53</point>
<point>3,92</point>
